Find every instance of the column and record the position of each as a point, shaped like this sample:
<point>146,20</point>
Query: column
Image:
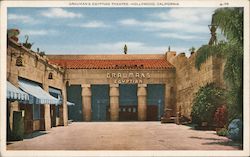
<point>47,118</point>
<point>167,107</point>
<point>64,108</point>
<point>86,101</point>
<point>114,102</point>
<point>142,102</point>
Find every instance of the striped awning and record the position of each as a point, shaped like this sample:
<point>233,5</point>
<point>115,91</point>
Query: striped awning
<point>14,93</point>
<point>59,95</point>
<point>68,103</point>
<point>41,96</point>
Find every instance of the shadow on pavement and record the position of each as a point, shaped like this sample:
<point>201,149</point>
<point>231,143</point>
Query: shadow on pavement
<point>202,138</point>
<point>219,142</point>
<point>225,143</point>
<point>199,128</point>
<point>35,134</point>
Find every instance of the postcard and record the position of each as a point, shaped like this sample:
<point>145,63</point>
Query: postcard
<point>125,78</point>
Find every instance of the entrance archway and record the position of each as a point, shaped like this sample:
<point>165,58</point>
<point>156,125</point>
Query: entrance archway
<point>155,101</point>
<point>100,103</point>
<point>128,102</point>
<point>74,95</point>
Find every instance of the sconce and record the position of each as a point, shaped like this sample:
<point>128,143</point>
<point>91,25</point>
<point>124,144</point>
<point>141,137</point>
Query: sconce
<point>50,77</point>
<point>19,59</point>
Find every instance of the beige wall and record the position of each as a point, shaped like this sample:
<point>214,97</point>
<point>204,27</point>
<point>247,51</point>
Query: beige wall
<point>189,79</point>
<point>35,67</point>
<point>99,76</point>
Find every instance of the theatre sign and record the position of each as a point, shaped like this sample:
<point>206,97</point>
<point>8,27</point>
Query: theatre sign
<point>128,77</point>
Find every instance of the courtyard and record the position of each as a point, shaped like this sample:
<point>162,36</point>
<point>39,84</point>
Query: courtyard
<point>123,136</point>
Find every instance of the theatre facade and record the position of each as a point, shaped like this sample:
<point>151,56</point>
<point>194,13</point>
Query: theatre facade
<point>115,87</point>
<point>118,87</point>
<point>141,87</point>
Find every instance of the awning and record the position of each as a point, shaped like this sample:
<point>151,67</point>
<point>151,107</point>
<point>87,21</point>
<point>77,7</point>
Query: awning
<point>57,93</point>
<point>70,103</point>
<point>16,94</point>
<point>33,89</point>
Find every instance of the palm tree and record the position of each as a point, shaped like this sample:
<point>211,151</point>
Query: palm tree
<point>230,22</point>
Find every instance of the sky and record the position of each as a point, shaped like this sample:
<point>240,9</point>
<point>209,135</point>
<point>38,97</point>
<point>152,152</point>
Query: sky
<point>107,30</point>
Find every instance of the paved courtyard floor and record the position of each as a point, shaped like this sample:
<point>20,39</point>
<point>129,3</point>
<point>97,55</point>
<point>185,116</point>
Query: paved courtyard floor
<point>124,136</point>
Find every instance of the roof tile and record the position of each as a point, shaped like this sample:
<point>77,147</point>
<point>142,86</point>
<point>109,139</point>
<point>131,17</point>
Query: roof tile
<point>113,64</point>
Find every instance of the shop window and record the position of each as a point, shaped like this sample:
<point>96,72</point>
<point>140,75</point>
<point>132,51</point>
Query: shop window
<point>36,111</point>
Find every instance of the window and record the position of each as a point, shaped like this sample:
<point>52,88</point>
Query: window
<point>36,111</point>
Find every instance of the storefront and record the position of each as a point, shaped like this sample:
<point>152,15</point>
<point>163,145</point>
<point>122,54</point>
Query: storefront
<point>29,72</point>
<point>14,95</point>
<point>34,118</point>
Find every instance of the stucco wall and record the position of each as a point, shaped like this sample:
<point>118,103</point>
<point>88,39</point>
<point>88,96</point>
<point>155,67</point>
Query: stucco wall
<point>189,79</point>
<point>35,67</point>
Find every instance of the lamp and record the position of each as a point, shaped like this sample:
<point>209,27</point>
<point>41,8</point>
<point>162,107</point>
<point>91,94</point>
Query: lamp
<point>19,59</point>
<point>50,77</point>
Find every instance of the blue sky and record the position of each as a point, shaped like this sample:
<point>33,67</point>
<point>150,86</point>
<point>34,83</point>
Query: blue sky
<point>106,30</point>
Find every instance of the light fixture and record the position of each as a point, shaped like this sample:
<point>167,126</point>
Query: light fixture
<point>50,77</point>
<point>19,59</point>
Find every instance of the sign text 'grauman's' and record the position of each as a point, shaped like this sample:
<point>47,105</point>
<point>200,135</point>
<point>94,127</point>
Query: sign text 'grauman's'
<point>128,77</point>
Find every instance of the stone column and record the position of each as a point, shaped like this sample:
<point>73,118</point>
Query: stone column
<point>114,102</point>
<point>142,102</point>
<point>86,102</point>
<point>167,106</point>
<point>167,97</point>
<point>47,118</point>
<point>64,119</point>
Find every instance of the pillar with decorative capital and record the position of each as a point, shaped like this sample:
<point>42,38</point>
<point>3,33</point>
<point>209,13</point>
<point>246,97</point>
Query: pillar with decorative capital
<point>114,102</point>
<point>86,101</point>
<point>142,102</point>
